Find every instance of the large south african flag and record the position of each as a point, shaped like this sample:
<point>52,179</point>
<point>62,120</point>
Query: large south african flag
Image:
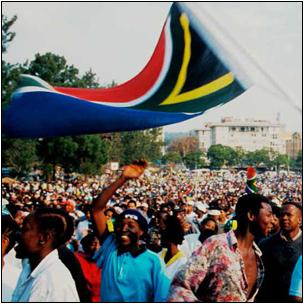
<point>188,73</point>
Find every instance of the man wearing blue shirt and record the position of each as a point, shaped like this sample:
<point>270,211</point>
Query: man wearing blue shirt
<point>130,272</point>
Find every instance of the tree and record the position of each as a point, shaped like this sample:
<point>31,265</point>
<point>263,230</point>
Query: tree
<point>91,154</point>
<point>259,157</point>
<point>299,160</point>
<point>9,80</point>
<point>6,35</point>
<point>54,70</point>
<point>282,160</point>
<point>220,155</point>
<point>195,160</point>
<point>240,156</point>
<point>232,156</point>
<point>16,153</point>
<point>140,144</point>
<point>171,157</point>
<point>19,154</point>
<point>183,145</point>
<point>9,72</point>
<point>89,81</point>
<point>58,151</point>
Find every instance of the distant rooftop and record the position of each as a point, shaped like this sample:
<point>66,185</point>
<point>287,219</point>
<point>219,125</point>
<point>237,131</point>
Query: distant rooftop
<point>247,122</point>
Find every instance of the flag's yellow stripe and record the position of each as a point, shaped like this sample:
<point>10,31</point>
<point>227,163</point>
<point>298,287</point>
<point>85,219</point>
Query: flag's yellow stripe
<point>204,90</point>
<point>186,58</point>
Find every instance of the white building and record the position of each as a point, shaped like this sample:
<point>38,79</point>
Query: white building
<point>249,134</point>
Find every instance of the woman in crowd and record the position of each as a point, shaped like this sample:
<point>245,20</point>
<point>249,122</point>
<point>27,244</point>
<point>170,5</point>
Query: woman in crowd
<point>44,277</point>
<point>172,236</point>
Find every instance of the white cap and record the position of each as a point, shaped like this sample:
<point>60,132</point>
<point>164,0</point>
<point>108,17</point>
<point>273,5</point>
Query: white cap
<point>118,209</point>
<point>5,201</point>
<point>214,212</point>
<point>190,203</point>
<point>200,206</point>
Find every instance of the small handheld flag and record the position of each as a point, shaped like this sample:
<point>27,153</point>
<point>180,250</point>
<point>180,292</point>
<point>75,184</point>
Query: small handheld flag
<point>251,186</point>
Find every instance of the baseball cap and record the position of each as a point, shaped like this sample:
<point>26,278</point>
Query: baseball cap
<point>135,215</point>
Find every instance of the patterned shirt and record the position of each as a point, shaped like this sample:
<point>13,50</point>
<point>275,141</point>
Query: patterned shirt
<point>215,273</point>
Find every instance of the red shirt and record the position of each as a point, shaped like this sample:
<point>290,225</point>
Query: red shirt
<point>92,274</point>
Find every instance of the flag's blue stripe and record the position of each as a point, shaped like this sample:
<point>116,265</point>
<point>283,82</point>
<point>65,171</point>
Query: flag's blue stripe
<point>46,114</point>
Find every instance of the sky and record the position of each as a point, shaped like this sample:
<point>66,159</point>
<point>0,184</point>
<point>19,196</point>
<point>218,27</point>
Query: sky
<point>116,40</point>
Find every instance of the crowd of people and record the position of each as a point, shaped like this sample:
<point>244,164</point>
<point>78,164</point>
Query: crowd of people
<point>142,236</point>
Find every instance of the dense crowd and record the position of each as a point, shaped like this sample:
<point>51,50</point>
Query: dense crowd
<point>144,236</point>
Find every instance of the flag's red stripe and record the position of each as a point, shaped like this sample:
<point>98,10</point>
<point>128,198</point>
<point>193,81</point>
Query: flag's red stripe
<point>130,90</point>
<point>250,172</point>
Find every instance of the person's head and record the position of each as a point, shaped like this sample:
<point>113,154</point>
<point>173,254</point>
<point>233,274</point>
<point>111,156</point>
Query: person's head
<point>9,228</point>
<point>109,213</point>
<point>90,244</point>
<point>215,214</point>
<point>209,223</point>
<point>205,234</point>
<point>67,206</point>
<point>164,208</point>
<point>254,211</point>
<point>291,217</point>
<point>44,229</point>
<point>16,213</point>
<point>131,204</point>
<point>178,212</point>
<point>86,210</point>
<point>173,232</point>
<point>129,226</point>
<point>276,210</point>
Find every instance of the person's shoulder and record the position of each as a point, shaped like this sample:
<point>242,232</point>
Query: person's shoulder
<point>270,240</point>
<point>191,237</point>
<point>49,276</point>
<point>152,257</point>
<point>151,254</point>
<point>216,243</point>
<point>217,238</point>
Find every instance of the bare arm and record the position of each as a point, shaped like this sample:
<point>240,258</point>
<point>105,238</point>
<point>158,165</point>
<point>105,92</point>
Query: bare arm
<point>97,208</point>
<point>295,299</point>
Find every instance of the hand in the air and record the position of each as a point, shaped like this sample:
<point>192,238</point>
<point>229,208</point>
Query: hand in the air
<point>136,169</point>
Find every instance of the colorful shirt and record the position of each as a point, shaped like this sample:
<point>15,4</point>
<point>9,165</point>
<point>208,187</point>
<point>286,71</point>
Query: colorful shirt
<point>215,273</point>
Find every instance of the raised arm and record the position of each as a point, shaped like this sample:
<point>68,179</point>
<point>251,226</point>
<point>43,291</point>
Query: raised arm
<point>97,208</point>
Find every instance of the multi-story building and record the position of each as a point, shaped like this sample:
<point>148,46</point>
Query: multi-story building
<point>249,134</point>
<point>294,145</point>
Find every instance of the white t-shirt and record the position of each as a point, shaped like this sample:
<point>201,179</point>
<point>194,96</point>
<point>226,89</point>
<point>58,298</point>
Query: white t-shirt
<point>175,262</point>
<point>10,275</point>
<point>190,244</point>
<point>50,281</point>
